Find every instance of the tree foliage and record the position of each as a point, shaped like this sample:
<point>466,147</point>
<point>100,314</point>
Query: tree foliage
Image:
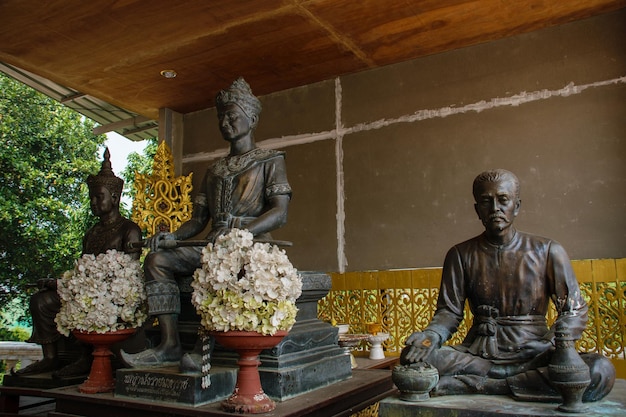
<point>47,151</point>
<point>141,163</point>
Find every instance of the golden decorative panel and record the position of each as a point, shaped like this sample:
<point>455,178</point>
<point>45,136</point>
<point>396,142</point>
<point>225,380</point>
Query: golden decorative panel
<point>404,301</point>
<point>163,202</point>
<point>371,411</point>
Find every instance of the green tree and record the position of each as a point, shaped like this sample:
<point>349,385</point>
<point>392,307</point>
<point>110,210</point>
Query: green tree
<point>47,151</point>
<point>141,163</point>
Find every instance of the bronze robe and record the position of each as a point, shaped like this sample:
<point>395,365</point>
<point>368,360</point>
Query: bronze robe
<point>508,288</point>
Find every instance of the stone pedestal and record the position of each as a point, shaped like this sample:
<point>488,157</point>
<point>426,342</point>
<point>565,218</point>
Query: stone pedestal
<point>309,357</point>
<point>316,361</point>
<point>612,405</point>
<point>167,384</point>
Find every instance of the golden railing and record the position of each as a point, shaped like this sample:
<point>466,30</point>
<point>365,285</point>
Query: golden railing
<point>404,301</point>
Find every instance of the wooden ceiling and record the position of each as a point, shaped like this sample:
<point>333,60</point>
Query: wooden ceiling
<point>115,50</point>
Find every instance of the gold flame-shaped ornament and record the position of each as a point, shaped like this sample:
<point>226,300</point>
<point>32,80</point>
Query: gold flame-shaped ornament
<point>162,202</point>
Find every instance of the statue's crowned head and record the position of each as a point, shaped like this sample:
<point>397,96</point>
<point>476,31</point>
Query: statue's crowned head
<point>106,178</point>
<point>239,93</point>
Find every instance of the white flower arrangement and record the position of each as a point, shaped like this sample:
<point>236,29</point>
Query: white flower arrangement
<point>246,286</point>
<point>101,294</point>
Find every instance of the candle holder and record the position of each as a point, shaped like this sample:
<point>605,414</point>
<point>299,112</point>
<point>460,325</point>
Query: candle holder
<point>377,340</point>
<point>348,342</point>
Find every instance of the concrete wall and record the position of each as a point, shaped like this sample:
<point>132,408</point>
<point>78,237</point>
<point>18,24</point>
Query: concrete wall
<point>381,162</point>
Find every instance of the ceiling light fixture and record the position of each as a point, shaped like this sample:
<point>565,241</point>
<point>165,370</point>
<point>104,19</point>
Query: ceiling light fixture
<point>168,73</point>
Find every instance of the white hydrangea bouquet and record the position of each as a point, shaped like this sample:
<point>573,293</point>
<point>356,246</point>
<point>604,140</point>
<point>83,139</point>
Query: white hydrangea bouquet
<point>103,293</point>
<point>245,285</point>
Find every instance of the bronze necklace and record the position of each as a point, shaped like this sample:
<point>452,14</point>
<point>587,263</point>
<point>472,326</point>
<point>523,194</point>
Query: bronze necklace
<point>102,236</point>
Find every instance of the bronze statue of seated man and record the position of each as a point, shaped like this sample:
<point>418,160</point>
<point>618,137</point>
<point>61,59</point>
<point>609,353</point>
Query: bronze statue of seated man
<point>248,189</point>
<point>113,231</point>
<point>508,278</point>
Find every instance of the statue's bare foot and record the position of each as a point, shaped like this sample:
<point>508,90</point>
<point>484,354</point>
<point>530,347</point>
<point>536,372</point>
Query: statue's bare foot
<point>151,358</point>
<point>42,366</point>
<point>191,363</point>
<point>79,368</point>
